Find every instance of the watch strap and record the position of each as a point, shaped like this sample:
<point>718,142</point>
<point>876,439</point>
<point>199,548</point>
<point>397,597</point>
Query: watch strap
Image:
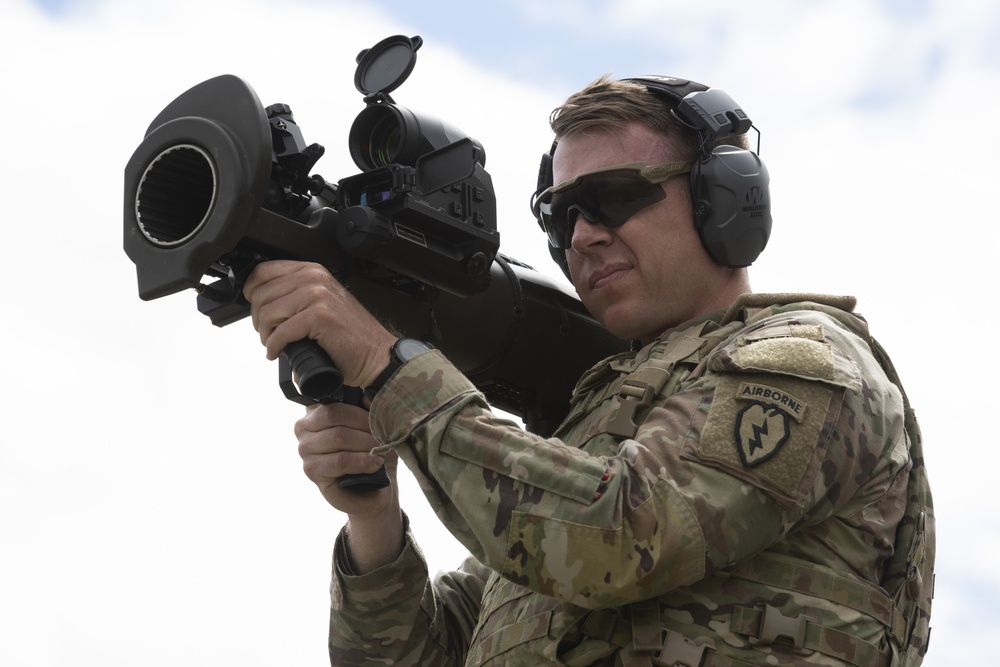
<point>383,377</point>
<point>395,361</point>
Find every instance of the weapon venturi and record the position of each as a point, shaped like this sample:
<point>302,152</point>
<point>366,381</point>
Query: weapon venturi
<point>195,189</point>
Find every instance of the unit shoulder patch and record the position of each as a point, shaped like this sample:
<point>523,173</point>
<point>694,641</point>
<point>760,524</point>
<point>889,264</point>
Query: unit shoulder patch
<point>766,429</point>
<point>761,430</point>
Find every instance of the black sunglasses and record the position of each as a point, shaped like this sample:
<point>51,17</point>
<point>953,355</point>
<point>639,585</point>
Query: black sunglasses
<point>608,196</point>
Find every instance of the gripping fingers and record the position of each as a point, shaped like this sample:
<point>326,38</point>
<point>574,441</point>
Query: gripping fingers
<point>334,441</point>
<point>332,415</point>
<point>323,469</point>
<point>279,290</point>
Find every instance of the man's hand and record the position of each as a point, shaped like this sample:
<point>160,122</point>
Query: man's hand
<point>334,440</point>
<point>290,301</point>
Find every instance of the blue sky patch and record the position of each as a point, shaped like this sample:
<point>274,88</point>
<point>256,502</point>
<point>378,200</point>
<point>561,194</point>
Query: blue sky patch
<point>59,7</point>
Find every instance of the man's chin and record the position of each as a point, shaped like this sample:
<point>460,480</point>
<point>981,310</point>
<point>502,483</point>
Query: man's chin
<point>625,325</point>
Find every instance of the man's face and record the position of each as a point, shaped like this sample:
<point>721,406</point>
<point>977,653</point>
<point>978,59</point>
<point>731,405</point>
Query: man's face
<point>652,273</point>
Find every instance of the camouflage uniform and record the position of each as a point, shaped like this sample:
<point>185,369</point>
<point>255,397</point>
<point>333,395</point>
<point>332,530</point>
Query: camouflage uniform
<point>727,495</point>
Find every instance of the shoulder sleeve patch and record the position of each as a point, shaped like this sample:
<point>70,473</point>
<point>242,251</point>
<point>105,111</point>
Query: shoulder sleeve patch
<point>768,430</point>
<point>798,356</point>
<point>789,344</point>
<point>808,331</point>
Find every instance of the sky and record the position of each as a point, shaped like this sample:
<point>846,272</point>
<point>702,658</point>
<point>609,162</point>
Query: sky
<point>152,504</point>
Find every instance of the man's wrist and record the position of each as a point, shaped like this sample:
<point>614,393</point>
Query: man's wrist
<point>401,351</point>
<point>368,546</point>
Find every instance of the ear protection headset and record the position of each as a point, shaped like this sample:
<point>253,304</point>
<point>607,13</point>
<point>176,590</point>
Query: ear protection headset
<point>729,185</point>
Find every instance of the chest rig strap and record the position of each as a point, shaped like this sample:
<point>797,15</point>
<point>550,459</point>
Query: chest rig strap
<point>636,395</point>
<point>656,375</point>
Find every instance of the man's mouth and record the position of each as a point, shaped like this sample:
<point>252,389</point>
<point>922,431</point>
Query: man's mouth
<point>606,274</point>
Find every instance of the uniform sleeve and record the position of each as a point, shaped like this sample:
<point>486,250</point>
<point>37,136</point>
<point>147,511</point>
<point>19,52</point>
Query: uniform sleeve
<point>398,615</point>
<point>761,441</point>
<point>804,424</point>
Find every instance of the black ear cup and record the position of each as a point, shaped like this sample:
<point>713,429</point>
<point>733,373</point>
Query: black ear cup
<point>729,185</point>
<point>732,206</point>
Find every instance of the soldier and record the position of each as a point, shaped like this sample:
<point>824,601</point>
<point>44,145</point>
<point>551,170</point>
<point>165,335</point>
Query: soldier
<point>744,488</point>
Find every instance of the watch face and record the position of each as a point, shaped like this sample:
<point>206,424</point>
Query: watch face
<point>407,348</point>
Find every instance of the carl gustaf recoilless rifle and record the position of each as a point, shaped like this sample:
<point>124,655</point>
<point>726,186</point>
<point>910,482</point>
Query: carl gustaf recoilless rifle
<point>221,183</point>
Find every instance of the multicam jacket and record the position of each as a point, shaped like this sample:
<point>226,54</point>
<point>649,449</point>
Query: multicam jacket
<point>727,495</point>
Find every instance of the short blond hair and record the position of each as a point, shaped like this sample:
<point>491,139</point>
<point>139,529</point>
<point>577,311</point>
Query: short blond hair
<point>612,104</point>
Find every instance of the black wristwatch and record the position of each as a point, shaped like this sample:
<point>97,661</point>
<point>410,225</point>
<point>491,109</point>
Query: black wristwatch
<point>401,351</point>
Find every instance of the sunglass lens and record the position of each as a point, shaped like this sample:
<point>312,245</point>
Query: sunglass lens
<point>609,199</point>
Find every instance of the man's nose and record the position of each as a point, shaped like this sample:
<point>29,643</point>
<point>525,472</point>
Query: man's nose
<point>587,234</point>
